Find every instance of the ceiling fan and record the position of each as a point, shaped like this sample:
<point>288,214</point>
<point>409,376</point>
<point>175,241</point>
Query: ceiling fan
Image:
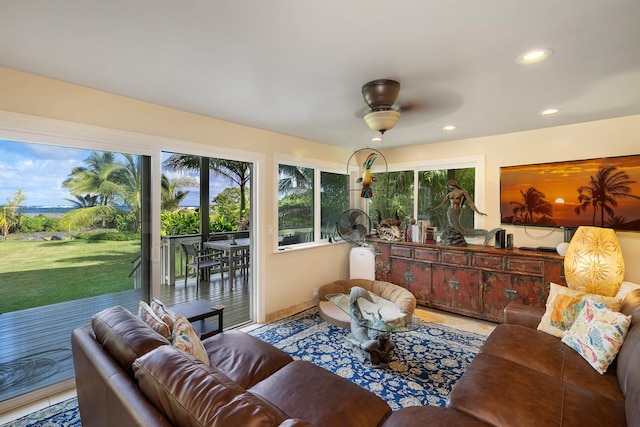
<point>380,95</point>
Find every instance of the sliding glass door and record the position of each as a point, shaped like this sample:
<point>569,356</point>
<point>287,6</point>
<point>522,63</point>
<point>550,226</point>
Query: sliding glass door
<point>75,240</point>
<point>206,205</point>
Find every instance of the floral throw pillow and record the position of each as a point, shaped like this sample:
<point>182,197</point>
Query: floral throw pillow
<point>166,315</point>
<point>597,333</point>
<point>561,308</point>
<point>150,318</point>
<point>184,337</point>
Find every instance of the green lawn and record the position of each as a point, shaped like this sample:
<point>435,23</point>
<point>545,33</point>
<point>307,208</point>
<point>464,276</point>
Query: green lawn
<point>35,273</point>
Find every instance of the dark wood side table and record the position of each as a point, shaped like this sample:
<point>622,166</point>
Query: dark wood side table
<point>197,312</point>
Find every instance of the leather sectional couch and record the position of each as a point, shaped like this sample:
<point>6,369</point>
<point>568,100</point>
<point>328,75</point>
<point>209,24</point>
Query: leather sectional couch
<point>525,377</point>
<point>129,375</point>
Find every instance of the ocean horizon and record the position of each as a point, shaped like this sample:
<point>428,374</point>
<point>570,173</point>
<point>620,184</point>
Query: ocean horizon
<point>59,210</point>
<point>51,211</point>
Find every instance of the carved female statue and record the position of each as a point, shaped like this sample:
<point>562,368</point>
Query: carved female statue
<point>454,233</point>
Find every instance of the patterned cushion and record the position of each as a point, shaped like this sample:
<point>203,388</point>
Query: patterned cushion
<point>166,315</point>
<point>184,337</point>
<point>597,333</point>
<point>150,318</point>
<point>559,314</point>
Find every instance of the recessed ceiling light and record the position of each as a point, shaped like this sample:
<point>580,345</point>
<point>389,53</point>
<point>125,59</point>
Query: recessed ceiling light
<point>376,139</point>
<point>448,128</point>
<point>534,56</point>
<point>549,111</point>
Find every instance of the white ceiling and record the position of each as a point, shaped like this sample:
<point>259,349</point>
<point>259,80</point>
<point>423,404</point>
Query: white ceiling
<point>297,66</point>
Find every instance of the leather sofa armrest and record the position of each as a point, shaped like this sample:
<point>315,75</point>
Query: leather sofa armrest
<point>523,315</point>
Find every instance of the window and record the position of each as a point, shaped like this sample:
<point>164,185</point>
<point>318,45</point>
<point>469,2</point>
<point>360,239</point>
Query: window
<point>334,199</point>
<point>392,196</point>
<point>432,189</point>
<point>295,204</point>
<point>407,194</point>
<point>309,203</point>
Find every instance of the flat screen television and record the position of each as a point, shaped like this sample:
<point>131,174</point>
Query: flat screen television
<point>604,192</point>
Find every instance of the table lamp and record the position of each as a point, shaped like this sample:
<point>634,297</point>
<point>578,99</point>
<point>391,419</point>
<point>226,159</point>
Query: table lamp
<point>593,262</point>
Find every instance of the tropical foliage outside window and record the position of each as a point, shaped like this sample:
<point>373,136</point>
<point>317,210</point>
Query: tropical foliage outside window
<point>394,195</point>
<point>334,199</point>
<point>88,212</point>
<point>298,215</point>
<point>432,189</point>
<point>229,209</point>
<point>295,204</point>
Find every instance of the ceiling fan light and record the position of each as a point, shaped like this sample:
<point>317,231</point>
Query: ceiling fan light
<point>381,121</point>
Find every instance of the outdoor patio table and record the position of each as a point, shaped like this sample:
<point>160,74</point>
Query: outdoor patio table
<point>230,249</point>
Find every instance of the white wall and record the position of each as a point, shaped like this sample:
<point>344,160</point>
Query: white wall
<point>286,279</point>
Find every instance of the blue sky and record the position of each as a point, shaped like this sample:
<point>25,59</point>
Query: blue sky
<point>40,169</point>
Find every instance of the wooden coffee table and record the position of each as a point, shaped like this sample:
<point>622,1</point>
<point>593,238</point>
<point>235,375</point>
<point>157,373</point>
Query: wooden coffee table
<point>197,312</point>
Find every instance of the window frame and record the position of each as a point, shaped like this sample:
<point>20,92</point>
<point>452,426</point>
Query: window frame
<point>318,167</point>
<point>477,162</point>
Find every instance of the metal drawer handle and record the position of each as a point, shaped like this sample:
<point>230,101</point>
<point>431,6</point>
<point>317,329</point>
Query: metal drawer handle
<point>511,294</point>
<point>454,285</point>
<point>408,277</point>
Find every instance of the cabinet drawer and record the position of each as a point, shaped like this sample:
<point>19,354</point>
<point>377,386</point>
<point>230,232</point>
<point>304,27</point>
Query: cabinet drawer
<point>485,261</point>
<point>525,265</point>
<point>457,258</point>
<point>401,251</point>
<point>426,254</point>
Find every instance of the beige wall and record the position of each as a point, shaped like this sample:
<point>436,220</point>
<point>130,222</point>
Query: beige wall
<point>286,279</point>
<point>604,138</point>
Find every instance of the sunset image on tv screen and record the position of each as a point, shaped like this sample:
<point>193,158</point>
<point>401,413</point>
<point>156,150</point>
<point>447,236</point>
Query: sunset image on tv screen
<point>601,192</point>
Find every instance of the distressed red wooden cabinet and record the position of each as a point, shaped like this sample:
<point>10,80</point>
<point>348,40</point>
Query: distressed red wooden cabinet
<point>476,281</point>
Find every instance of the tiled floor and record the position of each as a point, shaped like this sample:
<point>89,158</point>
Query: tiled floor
<point>41,404</point>
<point>426,314</point>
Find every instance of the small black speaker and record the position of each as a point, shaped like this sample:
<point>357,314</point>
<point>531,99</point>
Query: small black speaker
<point>509,241</point>
<point>500,239</point>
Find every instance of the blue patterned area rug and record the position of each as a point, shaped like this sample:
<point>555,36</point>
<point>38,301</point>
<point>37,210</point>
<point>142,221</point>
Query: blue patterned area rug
<point>63,414</point>
<point>426,363</point>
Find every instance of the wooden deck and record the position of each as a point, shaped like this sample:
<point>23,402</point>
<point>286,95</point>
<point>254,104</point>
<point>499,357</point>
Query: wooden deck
<point>36,348</point>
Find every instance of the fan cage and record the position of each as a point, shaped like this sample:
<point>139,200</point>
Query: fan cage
<point>353,225</point>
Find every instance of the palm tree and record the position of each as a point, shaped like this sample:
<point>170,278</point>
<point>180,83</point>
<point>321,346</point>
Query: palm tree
<point>534,203</point>
<point>235,171</point>
<point>603,192</point>
<point>172,195</point>
<point>294,179</point>
<point>94,177</point>
<point>295,196</point>
<point>113,183</point>
<point>10,217</point>
<point>84,201</point>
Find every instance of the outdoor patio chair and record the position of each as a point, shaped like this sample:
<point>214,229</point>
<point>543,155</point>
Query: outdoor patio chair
<point>202,262</point>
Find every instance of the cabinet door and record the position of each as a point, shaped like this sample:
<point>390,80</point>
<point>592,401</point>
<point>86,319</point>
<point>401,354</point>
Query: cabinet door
<point>499,289</point>
<point>383,265</point>
<point>457,289</point>
<point>413,276</point>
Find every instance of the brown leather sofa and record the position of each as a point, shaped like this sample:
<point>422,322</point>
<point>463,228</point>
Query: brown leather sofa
<point>524,377</point>
<point>129,375</point>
